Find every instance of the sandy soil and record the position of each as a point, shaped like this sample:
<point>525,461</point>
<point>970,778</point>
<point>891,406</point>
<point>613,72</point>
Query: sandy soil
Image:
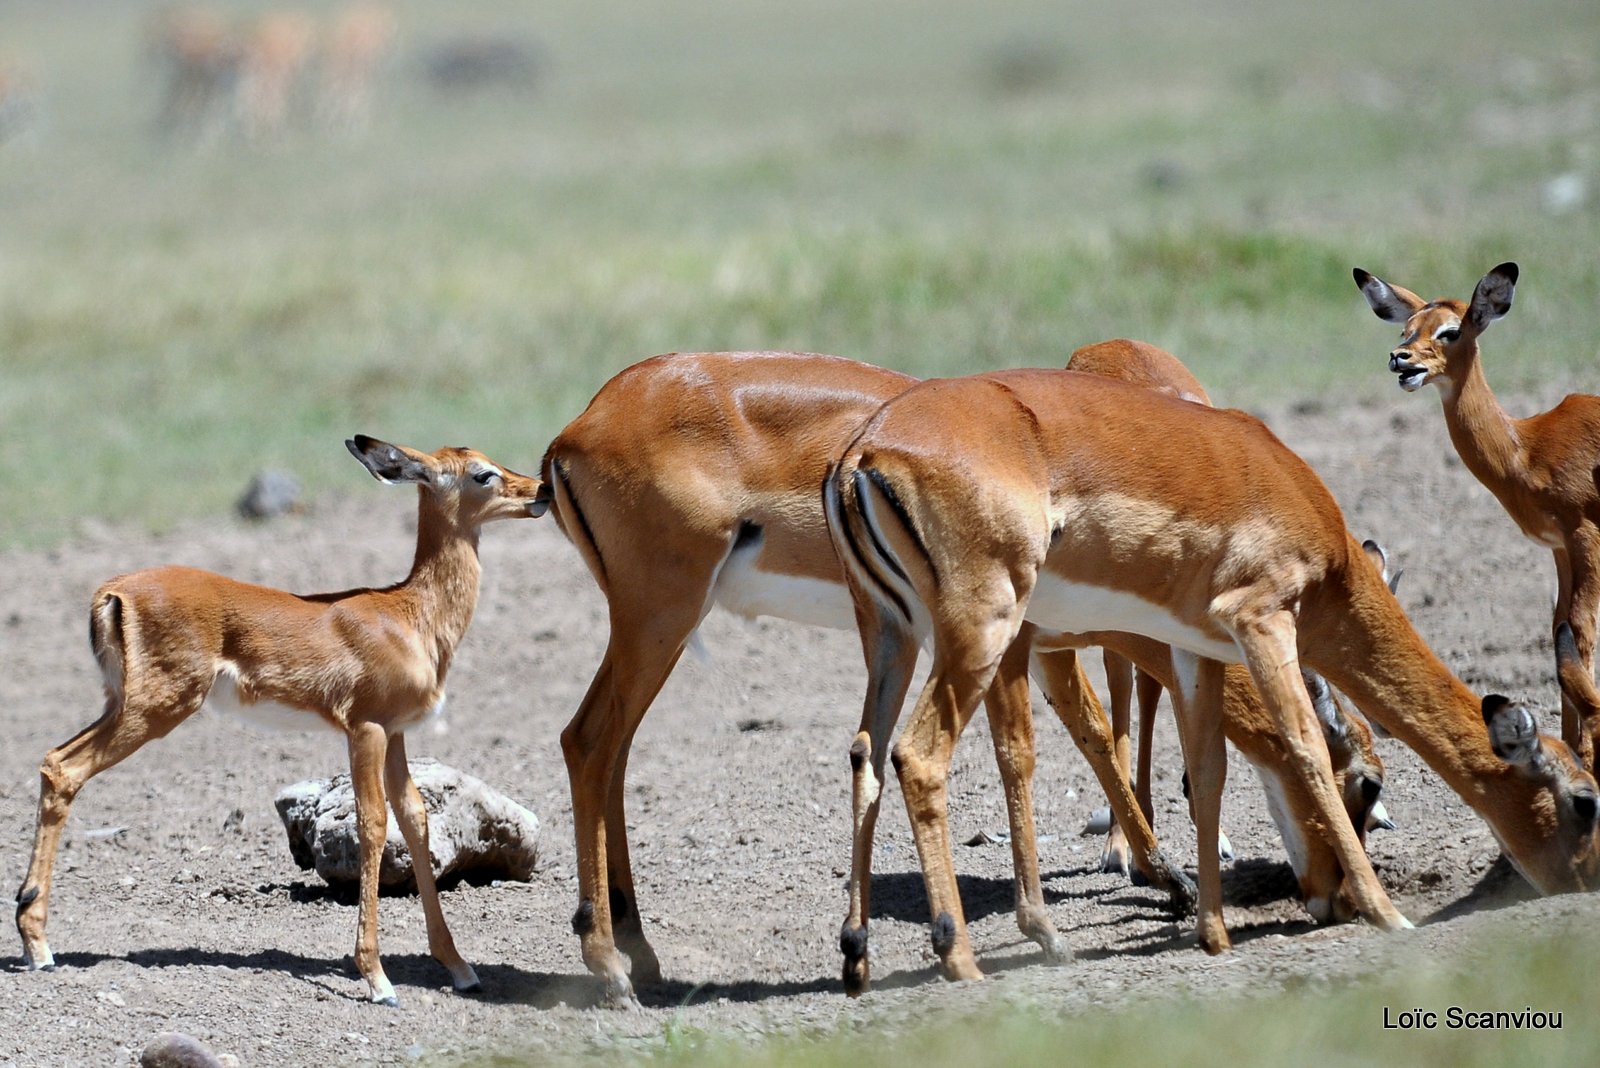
<point>163,919</point>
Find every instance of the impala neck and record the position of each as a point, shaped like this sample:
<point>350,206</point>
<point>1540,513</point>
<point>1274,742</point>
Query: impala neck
<point>444,577</point>
<point>1483,434</point>
<point>1370,651</point>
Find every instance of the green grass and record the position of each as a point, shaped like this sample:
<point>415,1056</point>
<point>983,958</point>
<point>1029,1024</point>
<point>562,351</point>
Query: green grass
<point>1336,1023</point>
<point>875,180</point>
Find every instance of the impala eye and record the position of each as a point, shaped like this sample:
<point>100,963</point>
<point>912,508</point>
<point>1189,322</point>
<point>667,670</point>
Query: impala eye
<point>1447,336</point>
<point>482,477</point>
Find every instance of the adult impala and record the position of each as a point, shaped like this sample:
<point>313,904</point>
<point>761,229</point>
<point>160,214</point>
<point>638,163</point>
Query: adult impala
<point>966,508</point>
<point>1544,470</point>
<point>369,663</point>
<point>1245,721</point>
<point>693,479</point>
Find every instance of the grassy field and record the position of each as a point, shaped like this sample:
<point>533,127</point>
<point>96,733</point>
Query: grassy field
<point>938,187</point>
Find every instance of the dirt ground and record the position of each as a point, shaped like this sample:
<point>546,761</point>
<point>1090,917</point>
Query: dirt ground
<point>163,919</point>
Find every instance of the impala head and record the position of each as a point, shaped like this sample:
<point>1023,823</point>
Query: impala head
<point>1360,769</point>
<point>1555,849</point>
<point>1438,339</point>
<point>462,482</point>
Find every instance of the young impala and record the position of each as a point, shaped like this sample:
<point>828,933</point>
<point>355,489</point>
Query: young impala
<point>1544,470</point>
<point>694,479</point>
<point>369,663</point>
<point>966,508</point>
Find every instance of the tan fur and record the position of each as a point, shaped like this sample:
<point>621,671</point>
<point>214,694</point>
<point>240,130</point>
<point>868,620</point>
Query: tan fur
<point>1544,470</point>
<point>1002,480</point>
<point>1246,721</point>
<point>369,662</point>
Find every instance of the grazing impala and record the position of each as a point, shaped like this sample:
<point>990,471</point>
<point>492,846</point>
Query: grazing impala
<point>1246,722</point>
<point>369,663</point>
<point>691,480</point>
<point>1544,470</point>
<point>966,508</point>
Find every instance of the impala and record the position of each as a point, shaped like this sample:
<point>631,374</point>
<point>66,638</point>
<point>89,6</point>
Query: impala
<point>1245,721</point>
<point>370,663</point>
<point>966,508</point>
<point>692,480</point>
<point>1541,469</point>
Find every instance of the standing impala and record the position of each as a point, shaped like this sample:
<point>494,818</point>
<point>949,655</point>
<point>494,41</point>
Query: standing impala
<point>369,663</point>
<point>1544,470</point>
<point>693,479</point>
<point>967,508</point>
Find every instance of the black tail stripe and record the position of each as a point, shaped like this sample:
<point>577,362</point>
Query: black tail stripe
<point>559,469</point>
<point>899,509</point>
<point>847,532</point>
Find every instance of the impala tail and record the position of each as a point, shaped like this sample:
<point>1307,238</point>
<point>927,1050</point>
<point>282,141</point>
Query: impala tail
<point>865,519</point>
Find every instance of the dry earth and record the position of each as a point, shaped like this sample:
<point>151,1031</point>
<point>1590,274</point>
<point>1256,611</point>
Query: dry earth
<point>165,920</point>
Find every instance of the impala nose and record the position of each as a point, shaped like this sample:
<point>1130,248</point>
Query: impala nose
<point>1398,359</point>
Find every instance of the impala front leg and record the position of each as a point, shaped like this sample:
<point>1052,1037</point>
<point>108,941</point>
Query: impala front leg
<point>1577,603</point>
<point>368,743</point>
<point>1060,673</point>
<point>1269,649</point>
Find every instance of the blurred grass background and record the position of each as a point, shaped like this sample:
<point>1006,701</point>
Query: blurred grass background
<point>939,186</point>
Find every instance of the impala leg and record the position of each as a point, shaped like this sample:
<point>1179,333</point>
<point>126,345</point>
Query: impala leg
<point>1061,675</point>
<point>412,816</point>
<point>1198,702</point>
<point>1010,709</point>
<point>368,745</point>
<point>118,733</point>
<point>1270,653</point>
<point>641,654</point>
<point>1583,581</point>
<point>1148,689</point>
<point>1119,686</point>
<point>627,925</point>
<point>962,671</point>
<point>891,654</point>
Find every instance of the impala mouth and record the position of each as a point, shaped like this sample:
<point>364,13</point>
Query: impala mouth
<point>1411,378</point>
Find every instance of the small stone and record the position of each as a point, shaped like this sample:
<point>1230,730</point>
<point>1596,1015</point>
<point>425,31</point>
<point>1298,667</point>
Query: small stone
<point>270,494</point>
<point>171,1049</point>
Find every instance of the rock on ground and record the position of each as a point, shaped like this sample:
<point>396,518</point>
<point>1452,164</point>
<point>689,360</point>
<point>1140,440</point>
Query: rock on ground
<point>474,831</point>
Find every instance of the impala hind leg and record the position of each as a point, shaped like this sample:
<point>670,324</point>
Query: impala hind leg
<point>368,744</point>
<point>1198,702</point>
<point>641,654</point>
<point>1119,687</point>
<point>891,653</point>
<point>1269,648</point>
<point>1060,673</point>
<point>126,725</point>
<point>627,926</point>
<point>1010,710</point>
<point>962,671</point>
<point>412,816</point>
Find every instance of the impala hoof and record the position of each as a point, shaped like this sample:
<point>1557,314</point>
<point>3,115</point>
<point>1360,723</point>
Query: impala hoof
<point>1056,950</point>
<point>617,993</point>
<point>392,1001</point>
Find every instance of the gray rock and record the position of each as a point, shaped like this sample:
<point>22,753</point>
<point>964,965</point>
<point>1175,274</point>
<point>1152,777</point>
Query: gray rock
<point>474,832</point>
<point>270,494</point>
<point>171,1049</point>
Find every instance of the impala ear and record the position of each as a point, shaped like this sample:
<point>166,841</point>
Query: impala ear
<point>1322,701</point>
<point>388,463</point>
<point>1390,303</point>
<point>1513,735</point>
<point>1492,299</point>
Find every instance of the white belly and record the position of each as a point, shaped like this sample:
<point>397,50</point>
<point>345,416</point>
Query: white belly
<point>266,715</point>
<point>747,591</point>
<point>1074,608</point>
